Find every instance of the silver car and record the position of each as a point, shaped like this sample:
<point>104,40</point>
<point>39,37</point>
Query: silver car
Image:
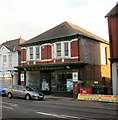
<point>23,92</point>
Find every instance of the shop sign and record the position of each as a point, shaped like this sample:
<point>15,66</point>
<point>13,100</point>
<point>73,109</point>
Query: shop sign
<point>96,97</point>
<point>69,85</point>
<point>75,76</point>
<point>45,68</point>
<point>22,77</point>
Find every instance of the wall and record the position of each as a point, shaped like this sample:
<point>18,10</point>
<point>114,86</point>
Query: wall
<point>48,54</point>
<point>113,30</point>
<point>90,52</point>
<point>5,74</point>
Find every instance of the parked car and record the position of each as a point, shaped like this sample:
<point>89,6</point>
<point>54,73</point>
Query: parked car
<point>24,92</point>
<point>2,92</point>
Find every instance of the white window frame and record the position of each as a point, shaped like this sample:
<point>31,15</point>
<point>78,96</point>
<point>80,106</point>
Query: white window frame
<point>38,52</point>
<point>4,61</point>
<point>103,55</point>
<point>62,50</point>
<point>30,53</point>
<point>10,60</point>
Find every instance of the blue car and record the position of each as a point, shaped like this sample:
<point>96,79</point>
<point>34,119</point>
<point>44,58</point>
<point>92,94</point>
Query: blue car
<point>2,92</point>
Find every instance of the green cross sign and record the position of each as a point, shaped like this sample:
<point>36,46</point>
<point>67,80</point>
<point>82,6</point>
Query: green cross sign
<point>75,76</point>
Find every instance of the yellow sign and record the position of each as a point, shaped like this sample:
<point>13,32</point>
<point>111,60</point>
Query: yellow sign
<point>96,97</point>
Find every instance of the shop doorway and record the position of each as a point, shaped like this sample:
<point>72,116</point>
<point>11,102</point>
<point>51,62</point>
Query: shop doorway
<point>45,80</point>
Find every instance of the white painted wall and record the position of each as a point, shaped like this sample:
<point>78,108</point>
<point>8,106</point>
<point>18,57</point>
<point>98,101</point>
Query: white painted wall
<point>5,74</point>
<point>115,78</point>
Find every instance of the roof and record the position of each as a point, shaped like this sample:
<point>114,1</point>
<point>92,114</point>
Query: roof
<point>114,11</point>
<point>13,45</point>
<point>64,29</point>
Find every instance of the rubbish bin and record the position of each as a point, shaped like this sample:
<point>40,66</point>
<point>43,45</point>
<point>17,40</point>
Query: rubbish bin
<point>99,90</point>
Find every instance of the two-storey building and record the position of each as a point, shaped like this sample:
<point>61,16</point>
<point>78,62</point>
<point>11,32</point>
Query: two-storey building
<point>63,56</point>
<point>9,57</point>
<point>112,17</point>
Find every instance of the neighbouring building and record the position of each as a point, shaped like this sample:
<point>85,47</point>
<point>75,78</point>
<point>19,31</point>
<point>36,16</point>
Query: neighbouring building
<point>58,60</point>
<point>9,57</point>
<point>112,17</point>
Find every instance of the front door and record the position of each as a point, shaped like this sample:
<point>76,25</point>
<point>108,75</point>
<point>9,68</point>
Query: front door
<point>45,78</point>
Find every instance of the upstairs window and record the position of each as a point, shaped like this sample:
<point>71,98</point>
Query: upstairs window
<point>58,50</point>
<point>37,52</point>
<point>103,55</point>
<point>4,61</point>
<point>31,52</point>
<point>10,60</point>
<point>66,49</point>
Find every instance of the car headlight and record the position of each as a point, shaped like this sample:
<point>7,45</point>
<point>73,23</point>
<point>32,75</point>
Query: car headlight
<point>35,95</point>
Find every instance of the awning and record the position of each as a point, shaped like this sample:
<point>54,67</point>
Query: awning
<point>55,66</point>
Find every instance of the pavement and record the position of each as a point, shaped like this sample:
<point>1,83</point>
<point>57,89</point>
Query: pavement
<point>81,103</point>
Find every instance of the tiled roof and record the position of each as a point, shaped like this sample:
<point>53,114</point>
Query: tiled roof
<point>13,45</point>
<point>114,11</point>
<point>62,30</point>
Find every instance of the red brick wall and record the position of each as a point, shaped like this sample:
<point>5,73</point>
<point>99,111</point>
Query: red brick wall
<point>113,30</point>
<point>46,52</point>
<point>74,49</point>
<point>23,54</point>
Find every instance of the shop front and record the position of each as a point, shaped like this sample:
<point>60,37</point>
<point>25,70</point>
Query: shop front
<point>52,78</point>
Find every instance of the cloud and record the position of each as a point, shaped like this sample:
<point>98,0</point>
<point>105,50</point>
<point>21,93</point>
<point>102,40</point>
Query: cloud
<point>28,18</point>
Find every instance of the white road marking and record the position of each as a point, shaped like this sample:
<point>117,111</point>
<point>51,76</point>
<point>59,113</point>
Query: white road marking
<point>11,104</point>
<point>59,116</point>
<point>7,107</point>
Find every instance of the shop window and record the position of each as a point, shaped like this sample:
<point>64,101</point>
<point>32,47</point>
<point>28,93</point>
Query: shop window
<point>59,81</point>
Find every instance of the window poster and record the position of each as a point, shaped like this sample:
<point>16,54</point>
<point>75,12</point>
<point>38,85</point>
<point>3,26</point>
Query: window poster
<point>69,84</point>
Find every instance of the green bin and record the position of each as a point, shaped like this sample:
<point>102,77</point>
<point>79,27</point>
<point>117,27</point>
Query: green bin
<point>100,90</point>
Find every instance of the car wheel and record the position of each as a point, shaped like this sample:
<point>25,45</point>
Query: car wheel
<point>10,95</point>
<point>27,97</point>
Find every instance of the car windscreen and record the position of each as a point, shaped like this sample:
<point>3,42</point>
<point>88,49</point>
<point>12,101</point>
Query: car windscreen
<point>29,88</point>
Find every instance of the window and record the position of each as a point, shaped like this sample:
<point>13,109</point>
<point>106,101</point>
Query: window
<point>10,60</point>
<point>37,52</point>
<point>4,61</point>
<point>58,46</point>
<point>66,49</point>
<point>103,55</point>
<point>31,53</point>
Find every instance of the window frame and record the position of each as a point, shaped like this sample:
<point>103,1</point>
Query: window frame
<point>5,61</point>
<point>58,51</point>
<point>37,52</point>
<point>31,53</point>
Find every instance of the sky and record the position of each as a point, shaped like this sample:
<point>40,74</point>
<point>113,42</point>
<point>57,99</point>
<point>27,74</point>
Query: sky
<point>29,18</point>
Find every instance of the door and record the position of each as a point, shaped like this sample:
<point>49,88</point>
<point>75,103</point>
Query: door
<point>45,81</point>
<point>21,91</point>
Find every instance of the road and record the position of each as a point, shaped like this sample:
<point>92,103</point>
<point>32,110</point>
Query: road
<point>54,108</point>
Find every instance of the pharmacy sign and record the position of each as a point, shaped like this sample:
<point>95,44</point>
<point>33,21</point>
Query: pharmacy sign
<point>75,76</point>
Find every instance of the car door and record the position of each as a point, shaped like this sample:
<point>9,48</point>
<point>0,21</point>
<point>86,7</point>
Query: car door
<point>14,90</point>
<point>21,91</point>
